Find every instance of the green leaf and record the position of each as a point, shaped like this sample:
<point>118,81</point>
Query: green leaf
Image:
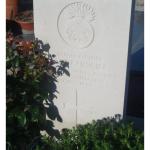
<point>35,114</point>
<point>37,147</point>
<point>17,61</point>
<point>21,118</point>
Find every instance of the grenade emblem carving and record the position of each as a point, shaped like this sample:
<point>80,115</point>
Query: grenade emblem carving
<point>75,24</point>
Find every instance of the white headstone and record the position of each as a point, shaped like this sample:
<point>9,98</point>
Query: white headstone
<point>93,36</point>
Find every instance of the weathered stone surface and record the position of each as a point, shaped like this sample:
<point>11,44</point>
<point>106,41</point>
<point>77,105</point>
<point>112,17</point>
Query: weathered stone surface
<point>93,36</point>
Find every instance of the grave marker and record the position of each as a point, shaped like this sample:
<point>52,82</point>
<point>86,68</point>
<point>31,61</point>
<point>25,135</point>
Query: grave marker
<point>93,36</point>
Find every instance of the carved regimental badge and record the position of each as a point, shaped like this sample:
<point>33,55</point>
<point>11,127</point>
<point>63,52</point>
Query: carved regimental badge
<point>75,24</point>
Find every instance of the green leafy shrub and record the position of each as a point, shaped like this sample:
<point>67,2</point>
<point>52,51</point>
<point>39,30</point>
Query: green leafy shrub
<point>30,90</point>
<point>105,134</point>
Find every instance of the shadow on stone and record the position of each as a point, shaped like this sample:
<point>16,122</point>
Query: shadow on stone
<point>49,88</point>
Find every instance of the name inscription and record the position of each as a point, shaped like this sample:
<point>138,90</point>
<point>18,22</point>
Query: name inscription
<point>86,70</point>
